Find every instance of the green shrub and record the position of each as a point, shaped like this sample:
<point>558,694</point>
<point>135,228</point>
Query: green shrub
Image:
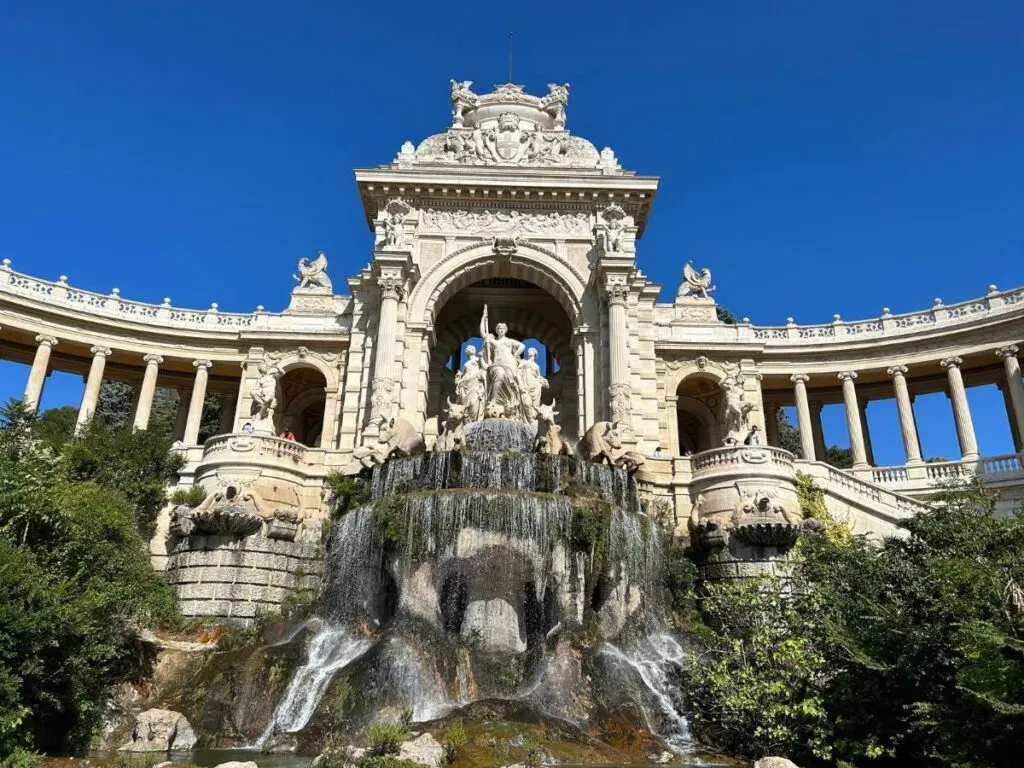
<point>22,758</point>
<point>384,738</point>
<point>387,761</point>
<point>453,737</point>
<point>190,497</point>
<point>348,491</point>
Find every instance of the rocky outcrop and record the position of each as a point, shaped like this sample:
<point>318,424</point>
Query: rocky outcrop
<point>160,730</point>
<point>775,762</point>
<point>424,750</point>
<point>238,764</point>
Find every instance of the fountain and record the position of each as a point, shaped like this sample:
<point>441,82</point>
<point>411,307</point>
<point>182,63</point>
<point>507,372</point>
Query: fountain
<point>490,573</point>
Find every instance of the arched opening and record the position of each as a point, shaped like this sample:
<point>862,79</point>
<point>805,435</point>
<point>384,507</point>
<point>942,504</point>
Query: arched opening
<point>698,409</point>
<point>301,398</point>
<point>532,315</point>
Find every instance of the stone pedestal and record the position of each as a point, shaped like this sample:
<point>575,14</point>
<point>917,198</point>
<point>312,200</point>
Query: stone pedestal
<point>311,301</point>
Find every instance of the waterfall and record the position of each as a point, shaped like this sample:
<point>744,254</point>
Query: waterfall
<point>331,649</point>
<point>653,662</point>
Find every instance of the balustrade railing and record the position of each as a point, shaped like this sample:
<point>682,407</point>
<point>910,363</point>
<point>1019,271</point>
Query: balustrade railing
<point>263,445</point>
<point>741,454</point>
<point>1008,466</point>
<point>887,324</point>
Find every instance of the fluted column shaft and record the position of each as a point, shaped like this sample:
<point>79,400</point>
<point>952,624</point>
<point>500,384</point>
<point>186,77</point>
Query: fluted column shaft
<point>92,385</point>
<point>961,408</point>
<point>387,326</point>
<point>195,406</point>
<point>1015,384</point>
<point>619,389</point>
<point>771,423</point>
<point>37,374</point>
<point>853,426</point>
<point>908,426</point>
<point>146,392</point>
<point>803,417</point>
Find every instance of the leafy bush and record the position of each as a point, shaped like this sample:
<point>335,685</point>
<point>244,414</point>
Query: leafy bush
<point>453,737</point>
<point>22,758</point>
<point>190,497</point>
<point>385,738</point>
<point>77,587</point>
<point>348,491</point>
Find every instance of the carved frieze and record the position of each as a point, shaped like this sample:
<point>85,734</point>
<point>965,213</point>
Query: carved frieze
<point>503,221</point>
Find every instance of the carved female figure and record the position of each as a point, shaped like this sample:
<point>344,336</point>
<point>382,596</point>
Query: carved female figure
<point>501,358</point>
<point>471,385</point>
<point>531,383</point>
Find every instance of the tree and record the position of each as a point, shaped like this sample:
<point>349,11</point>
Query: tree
<point>725,316</point>
<point>841,458</point>
<point>116,398</point>
<point>77,586</point>
<point>789,436</point>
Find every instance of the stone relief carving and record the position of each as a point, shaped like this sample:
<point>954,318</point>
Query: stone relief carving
<point>503,221</point>
<point>737,411</point>
<point>313,274</point>
<point>381,399</point>
<point>612,228</point>
<point>696,284</point>
<point>264,399</point>
<point>394,222</point>
<point>505,247</point>
<point>621,402</point>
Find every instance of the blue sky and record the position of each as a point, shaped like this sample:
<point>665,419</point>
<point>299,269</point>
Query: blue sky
<point>821,158</point>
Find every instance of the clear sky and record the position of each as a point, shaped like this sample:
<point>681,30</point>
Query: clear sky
<point>820,157</point>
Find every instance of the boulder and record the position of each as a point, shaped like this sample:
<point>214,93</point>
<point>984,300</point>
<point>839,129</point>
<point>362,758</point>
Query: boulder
<point>237,764</point>
<point>160,730</point>
<point>424,750</point>
<point>775,762</point>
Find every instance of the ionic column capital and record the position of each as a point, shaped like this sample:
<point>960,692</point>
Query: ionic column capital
<point>1010,350</point>
<point>202,364</point>
<point>799,377</point>
<point>951,362</point>
<point>897,371</point>
<point>153,359</point>
<point>47,341</point>
<point>847,376</point>
<point>99,351</point>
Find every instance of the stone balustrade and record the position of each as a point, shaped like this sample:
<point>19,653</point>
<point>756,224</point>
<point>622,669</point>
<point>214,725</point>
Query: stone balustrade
<point>886,325</point>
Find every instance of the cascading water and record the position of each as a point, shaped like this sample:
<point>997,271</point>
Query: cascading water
<point>474,575</point>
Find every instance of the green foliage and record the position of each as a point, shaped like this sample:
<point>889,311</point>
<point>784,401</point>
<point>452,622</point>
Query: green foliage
<point>681,579</point>
<point>138,464</point>
<point>725,316</point>
<point>453,737</point>
<point>591,524</point>
<point>349,491</point>
<point>56,426</point>
<point>388,761</point>
<point>21,758</point>
<point>841,458</point>
<point>512,673</point>
<point>190,497</point>
<point>384,738</point>
<point>77,586</point>
<point>789,435</point>
<point>755,689</point>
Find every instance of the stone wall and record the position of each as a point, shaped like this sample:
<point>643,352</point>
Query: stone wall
<point>226,578</point>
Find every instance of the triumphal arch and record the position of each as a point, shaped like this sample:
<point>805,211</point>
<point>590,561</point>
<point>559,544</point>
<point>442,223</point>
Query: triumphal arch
<point>506,227</point>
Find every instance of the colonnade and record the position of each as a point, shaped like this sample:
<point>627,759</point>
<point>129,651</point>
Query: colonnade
<point>188,419</point>
<point>812,443</point>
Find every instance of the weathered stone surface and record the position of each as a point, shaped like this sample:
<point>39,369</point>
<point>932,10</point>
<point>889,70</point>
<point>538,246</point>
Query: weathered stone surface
<point>495,625</point>
<point>238,764</point>
<point>424,750</point>
<point>775,762</point>
<point>160,730</point>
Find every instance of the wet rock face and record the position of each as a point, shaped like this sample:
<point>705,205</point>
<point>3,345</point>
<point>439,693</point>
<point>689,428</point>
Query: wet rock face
<point>423,750</point>
<point>160,730</point>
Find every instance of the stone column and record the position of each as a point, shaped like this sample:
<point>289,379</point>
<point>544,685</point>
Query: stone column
<point>619,390</point>
<point>1014,388</point>
<point>40,368</point>
<point>136,391</point>
<point>817,430</point>
<point>961,409</point>
<point>803,417</point>
<point>771,423</point>
<point>195,406</point>
<point>866,432</point>
<point>382,397</point>
<point>92,385</point>
<point>228,403</point>
<point>672,406</point>
<point>908,427</point>
<point>1018,443</point>
<point>331,408</point>
<point>860,460</point>
<point>181,415</point>
<point>145,402</point>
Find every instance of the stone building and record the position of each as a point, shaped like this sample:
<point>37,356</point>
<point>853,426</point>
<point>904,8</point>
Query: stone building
<point>507,208</point>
